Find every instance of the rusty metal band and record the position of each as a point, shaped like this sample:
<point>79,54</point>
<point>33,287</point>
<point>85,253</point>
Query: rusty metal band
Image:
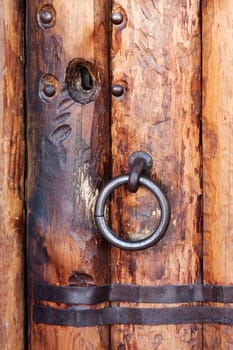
<point>118,315</point>
<point>133,293</point>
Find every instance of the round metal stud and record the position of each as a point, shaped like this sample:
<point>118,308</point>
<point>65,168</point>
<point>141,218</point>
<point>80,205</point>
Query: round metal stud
<point>117,90</point>
<point>49,87</point>
<point>45,16</point>
<point>117,18</point>
<point>49,90</point>
<point>111,236</point>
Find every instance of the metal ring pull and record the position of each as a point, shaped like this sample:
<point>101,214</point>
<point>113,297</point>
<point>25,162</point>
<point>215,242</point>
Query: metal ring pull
<point>110,235</point>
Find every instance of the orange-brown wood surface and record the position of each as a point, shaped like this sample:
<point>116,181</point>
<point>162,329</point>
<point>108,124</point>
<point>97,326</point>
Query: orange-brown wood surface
<point>11,176</point>
<point>156,57</point>
<point>218,159</point>
<point>67,157</point>
<point>155,54</point>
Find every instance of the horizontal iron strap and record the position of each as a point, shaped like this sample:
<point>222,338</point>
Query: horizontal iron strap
<point>118,315</point>
<point>134,293</point>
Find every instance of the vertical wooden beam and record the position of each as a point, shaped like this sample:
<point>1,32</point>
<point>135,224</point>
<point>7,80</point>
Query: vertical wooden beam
<point>68,144</point>
<point>11,175</point>
<point>218,158</point>
<point>156,57</point>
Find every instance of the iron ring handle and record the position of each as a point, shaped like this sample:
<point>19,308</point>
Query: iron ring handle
<point>111,236</point>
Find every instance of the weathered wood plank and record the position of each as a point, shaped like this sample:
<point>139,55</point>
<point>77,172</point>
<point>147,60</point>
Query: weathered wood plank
<point>11,176</point>
<point>156,56</point>
<point>218,159</point>
<point>68,145</point>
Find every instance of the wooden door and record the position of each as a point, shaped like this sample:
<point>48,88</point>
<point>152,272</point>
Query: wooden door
<point>104,79</point>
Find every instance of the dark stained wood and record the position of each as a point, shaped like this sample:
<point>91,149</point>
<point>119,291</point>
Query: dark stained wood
<point>218,160</point>
<point>156,56</point>
<point>68,155</point>
<point>11,176</point>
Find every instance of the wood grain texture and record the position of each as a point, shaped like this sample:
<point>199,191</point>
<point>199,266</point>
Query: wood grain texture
<point>11,176</point>
<point>156,57</point>
<point>218,158</point>
<point>68,146</point>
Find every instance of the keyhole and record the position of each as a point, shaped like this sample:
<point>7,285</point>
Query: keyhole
<point>86,79</point>
<point>82,80</point>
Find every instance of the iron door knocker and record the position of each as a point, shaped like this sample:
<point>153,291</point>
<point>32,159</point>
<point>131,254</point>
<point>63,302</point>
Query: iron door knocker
<point>139,162</point>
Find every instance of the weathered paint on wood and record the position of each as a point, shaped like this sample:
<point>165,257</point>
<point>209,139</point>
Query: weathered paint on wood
<point>68,157</point>
<point>11,176</point>
<point>218,159</point>
<point>156,56</point>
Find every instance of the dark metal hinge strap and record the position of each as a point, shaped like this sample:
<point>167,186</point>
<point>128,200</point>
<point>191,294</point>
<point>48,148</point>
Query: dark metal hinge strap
<point>118,315</point>
<point>133,293</point>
